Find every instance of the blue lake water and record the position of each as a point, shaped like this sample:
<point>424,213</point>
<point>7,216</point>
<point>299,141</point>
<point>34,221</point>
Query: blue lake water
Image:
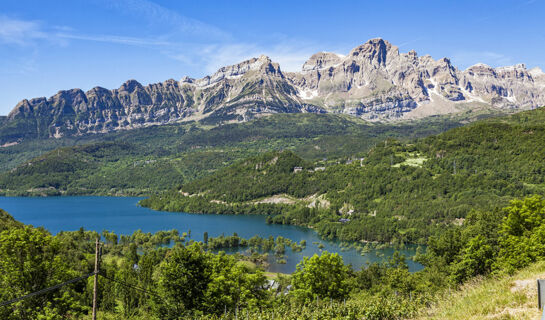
<point>122,215</point>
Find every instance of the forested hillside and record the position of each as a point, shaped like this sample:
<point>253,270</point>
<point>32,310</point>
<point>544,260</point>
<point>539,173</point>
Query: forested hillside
<point>397,192</point>
<point>147,160</point>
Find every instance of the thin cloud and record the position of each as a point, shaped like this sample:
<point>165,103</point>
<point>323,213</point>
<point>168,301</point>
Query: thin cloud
<point>210,56</point>
<point>406,43</point>
<point>24,33</point>
<point>155,14</point>
<point>19,32</point>
<point>206,55</point>
<point>132,41</point>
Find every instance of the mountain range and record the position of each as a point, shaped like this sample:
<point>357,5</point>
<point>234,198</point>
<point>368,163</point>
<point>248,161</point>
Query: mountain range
<point>374,81</point>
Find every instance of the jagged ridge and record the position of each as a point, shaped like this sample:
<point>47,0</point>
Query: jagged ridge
<point>374,81</point>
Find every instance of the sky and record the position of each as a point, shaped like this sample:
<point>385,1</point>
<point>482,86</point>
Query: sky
<point>47,46</point>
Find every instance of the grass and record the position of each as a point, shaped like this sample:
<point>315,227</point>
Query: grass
<point>507,297</point>
<point>413,161</point>
<point>276,275</point>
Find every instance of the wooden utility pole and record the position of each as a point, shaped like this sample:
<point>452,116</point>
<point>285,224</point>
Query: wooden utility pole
<point>95,284</point>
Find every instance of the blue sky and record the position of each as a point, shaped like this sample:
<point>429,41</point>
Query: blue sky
<point>46,46</point>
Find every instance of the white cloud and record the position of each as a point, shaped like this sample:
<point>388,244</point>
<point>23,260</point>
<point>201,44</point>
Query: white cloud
<point>212,57</point>
<point>291,57</point>
<point>20,32</point>
<point>207,55</point>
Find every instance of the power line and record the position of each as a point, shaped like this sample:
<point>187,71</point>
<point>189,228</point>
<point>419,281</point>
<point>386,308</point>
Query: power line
<point>95,273</point>
<point>5,303</point>
<point>57,286</point>
<point>134,287</point>
<point>129,285</point>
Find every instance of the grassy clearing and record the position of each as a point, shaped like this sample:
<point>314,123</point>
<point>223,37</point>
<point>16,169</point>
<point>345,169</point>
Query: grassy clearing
<point>414,160</point>
<point>508,297</point>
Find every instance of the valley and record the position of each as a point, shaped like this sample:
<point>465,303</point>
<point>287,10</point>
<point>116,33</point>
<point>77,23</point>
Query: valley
<point>148,160</point>
<point>268,178</point>
<point>396,192</point>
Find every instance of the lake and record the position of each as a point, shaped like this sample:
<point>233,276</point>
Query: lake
<point>122,215</point>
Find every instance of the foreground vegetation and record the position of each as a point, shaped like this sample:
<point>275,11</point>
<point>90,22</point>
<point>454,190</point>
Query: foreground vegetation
<point>446,191</point>
<point>141,279</point>
<point>498,297</point>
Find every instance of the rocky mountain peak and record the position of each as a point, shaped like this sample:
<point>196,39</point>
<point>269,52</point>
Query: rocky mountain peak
<point>130,86</point>
<point>69,94</point>
<point>187,79</point>
<point>537,73</point>
<point>98,90</point>
<point>374,82</point>
<point>261,64</point>
<point>375,50</point>
<point>479,65</point>
<point>322,60</point>
<point>481,70</point>
<point>69,97</point>
<point>412,54</point>
<point>22,109</point>
<point>517,71</point>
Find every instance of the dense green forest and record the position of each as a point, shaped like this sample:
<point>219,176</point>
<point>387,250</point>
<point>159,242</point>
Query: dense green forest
<point>140,278</point>
<point>396,192</point>
<point>452,192</point>
<point>152,159</point>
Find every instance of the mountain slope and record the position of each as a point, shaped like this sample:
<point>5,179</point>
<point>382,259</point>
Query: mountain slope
<point>374,82</point>
<point>156,158</point>
<point>399,192</point>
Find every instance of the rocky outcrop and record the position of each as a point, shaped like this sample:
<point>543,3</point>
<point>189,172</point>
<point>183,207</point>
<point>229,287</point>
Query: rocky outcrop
<point>506,87</point>
<point>373,81</point>
<point>234,93</point>
<point>322,60</point>
<point>376,81</point>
